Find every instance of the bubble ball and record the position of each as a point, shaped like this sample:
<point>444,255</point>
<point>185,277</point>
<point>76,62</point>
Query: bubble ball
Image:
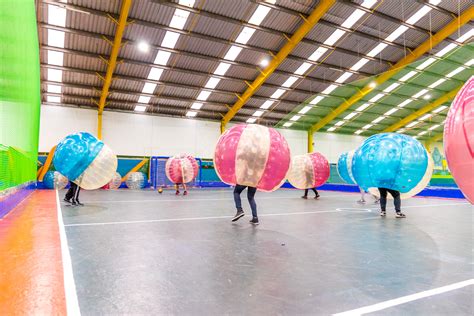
<point>390,160</point>
<point>136,180</point>
<point>85,160</point>
<point>344,167</point>
<point>55,180</point>
<point>252,155</point>
<point>308,171</point>
<point>181,168</point>
<point>459,139</point>
<point>115,182</point>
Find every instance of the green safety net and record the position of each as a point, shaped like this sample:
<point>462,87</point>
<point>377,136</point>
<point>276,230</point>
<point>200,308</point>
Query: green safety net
<point>19,93</point>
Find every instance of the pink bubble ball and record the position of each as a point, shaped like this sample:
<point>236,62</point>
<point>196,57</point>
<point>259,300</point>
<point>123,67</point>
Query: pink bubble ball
<point>252,155</point>
<point>459,139</point>
<point>181,168</point>
<point>308,171</point>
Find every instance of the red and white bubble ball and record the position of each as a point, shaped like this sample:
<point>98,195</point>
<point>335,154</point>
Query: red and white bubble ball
<point>459,139</point>
<point>181,168</point>
<point>308,171</point>
<point>252,155</point>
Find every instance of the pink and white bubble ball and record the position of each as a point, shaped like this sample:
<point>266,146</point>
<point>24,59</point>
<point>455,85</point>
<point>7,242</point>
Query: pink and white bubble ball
<point>308,171</point>
<point>252,155</point>
<point>181,168</point>
<point>459,139</point>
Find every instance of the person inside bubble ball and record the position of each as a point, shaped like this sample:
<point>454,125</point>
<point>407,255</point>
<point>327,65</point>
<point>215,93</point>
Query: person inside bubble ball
<point>72,195</point>
<point>238,203</point>
<point>396,201</point>
<point>362,197</point>
<point>184,188</point>
<point>316,194</point>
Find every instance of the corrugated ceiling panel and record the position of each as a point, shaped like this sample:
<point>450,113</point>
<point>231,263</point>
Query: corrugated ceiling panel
<point>236,9</point>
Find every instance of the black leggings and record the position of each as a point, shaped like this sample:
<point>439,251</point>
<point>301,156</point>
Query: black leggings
<point>250,196</point>
<point>73,192</point>
<point>396,199</point>
<point>314,190</point>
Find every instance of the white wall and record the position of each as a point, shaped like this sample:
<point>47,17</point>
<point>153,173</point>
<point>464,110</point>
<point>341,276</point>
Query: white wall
<point>146,135</point>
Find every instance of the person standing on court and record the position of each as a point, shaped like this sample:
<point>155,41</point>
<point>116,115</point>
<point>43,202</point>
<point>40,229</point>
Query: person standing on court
<point>72,195</point>
<point>316,194</point>
<point>396,201</point>
<point>238,203</point>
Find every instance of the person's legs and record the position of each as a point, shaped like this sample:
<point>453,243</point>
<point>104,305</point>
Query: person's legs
<point>70,193</point>
<point>177,188</point>
<point>251,197</point>
<point>316,194</point>
<point>76,196</point>
<point>238,202</point>
<point>362,195</point>
<point>305,196</point>
<point>397,202</point>
<point>185,189</point>
<point>383,201</point>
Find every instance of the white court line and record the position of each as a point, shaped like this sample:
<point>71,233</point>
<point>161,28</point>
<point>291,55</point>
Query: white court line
<point>72,304</point>
<point>193,218</point>
<point>406,299</point>
<point>424,205</point>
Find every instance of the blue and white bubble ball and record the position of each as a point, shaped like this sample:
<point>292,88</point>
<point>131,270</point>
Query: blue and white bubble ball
<point>344,167</point>
<point>55,180</point>
<point>393,161</point>
<point>85,160</point>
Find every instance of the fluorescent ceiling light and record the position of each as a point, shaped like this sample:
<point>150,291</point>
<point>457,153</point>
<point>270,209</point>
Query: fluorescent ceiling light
<point>391,111</point>
<point>204,95</point>
<point>367,126</point>
<point>350,115</point>
<point>259,14</point>
<point>441,108</point>
<point>408,76</point>
<point>53,99</point>
<point>340,123</point>
<point>212,82</point>
<point>437,83</point>
<point>162,57</point>
<point>359,64</point>
<point>295,117</point>
<point>196,106</point>
<point>251,120</point>
<point>52,88</point>
<point>425,117</point>
<point>426,63</point>
<point>289,82</point>
<point>427,96</point>
<point>362,107</point>
<point>332,129</point>
<point>179,19</point>
<point>56,15</point>
<point>170,39</point>
<point>140,108</point>
<point>245,35</point>
<point>143,99</point>
<point>316,100</point>
<point>391,87</point>
<point>287,124</point>
<point>188,3</point>
<point>396,34</point>
<point>264,62</point>
<point>233,52</point>
<point>466,36</point>
<point>404,103</point>
<point>155,73</point>
<point>344,77</point>
<point>422,133</point>
<point>334,37</point>
<point>378,119</point>
<point>221,69</point>
<point>258,113</point>
<point>368,3</point>
<point>455,72</point>
<point>446,50</point>
<point>303,68</point>
<point>143,47</point>
<point>418,15</point>
<point>317,54</point>
<point>266,104</point>
<point>149,87</point>
<point>55,75</point>
<point>353,18</point>
<point>56,38</point>
<point>358,132</point>
<point>469,63</point>
<point>420,93</point>
<point>377,49</point>
<point>401,130</point>
<point>413,124</point>
<point>55,58</point>
<point>434,2</point>
<point>434,127</point>
<point>191,113</point>
<point>305,109</point>
<point>377,97</point>
<point>329,89</point>
<point>277,94</point>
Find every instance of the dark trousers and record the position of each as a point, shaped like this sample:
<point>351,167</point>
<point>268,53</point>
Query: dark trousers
<point>314,190</point>
<point>250,196</point>
<point>73,192</point>
<point>396,199</point>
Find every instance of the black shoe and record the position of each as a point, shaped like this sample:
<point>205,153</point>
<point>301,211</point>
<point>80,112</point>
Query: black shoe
<point>66,200</point>
<point>317,197</point>
<point>400,215</point>
<point>254,221</point>
<point>79,203</point>
<point>383,213</point>
<point>304,197</point>
<point>239,214</point>
<point>73,203</point>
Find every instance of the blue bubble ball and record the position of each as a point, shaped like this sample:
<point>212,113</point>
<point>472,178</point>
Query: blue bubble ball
<point>344,165</point>
<point>389,160</point>
<point>54,180</point>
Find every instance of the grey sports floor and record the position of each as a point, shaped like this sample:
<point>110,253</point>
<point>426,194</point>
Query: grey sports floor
<point>140,252</point>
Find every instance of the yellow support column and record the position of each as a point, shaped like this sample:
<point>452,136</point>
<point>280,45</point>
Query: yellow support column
<point>308,24</point>
<point>310,142</point>
<point>426,46</point>
<point>99,125</point>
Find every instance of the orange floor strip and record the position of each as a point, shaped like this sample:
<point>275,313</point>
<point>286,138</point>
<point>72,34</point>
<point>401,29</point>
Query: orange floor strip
<point>31,273</point>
